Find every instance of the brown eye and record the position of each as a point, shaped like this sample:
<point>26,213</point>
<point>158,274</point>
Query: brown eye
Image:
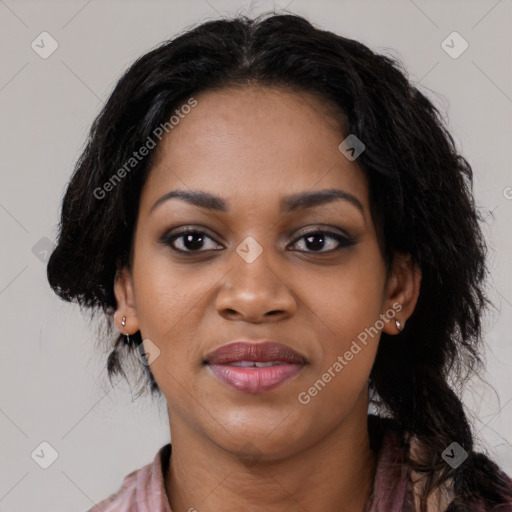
<point>323,241</point>
<point>191,241</point>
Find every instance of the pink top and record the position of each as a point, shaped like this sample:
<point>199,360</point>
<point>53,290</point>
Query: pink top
<point>142,490</point>
<point>394,488</point>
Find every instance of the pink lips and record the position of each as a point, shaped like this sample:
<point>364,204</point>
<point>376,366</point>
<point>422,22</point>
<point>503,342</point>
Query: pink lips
<point>254,367</point>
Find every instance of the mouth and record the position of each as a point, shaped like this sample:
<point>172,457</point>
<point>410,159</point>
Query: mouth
<point>254,367</point>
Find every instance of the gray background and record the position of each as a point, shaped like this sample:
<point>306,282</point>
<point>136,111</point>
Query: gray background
<point>52,378</point>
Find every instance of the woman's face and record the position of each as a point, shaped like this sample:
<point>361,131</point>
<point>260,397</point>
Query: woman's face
<point>254,272</point>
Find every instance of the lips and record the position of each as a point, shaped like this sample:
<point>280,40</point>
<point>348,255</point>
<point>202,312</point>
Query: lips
<point>256,352</point>
<point>254,367</point>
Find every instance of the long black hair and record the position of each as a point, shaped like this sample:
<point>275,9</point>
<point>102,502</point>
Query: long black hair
<point>420,192</point>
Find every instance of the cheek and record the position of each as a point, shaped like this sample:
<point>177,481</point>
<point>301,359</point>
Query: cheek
<point>349,299</point>
<point>347,308</point>
<point>167,310</point>
<point>165,291</point>
<point>339,378</point>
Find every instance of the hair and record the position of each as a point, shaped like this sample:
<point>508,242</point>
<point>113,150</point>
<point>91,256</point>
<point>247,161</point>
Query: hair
<point>420,191</point>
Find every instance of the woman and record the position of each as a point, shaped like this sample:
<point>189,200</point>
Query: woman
<point>283,233</point>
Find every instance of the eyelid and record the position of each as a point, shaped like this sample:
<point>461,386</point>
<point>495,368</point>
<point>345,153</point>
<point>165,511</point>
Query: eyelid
<point>194,228</point>
<point>322,228</point>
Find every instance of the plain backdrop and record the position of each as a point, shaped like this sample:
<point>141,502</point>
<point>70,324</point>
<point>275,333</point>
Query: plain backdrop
<point>52,379</point>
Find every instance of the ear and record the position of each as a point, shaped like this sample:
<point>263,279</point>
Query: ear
<point>402,290</point>
<point>125,298</point>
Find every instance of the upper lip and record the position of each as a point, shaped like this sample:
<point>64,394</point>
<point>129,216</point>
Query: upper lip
<point>264,351</point>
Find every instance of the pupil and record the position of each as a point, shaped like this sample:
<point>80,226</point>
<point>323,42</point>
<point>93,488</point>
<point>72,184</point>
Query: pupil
<point>312,245</point>
<point>189,241</point>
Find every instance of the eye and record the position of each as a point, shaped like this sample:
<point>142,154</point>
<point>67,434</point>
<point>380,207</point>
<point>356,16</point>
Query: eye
<point>191,240</point>
<point>316,241</point>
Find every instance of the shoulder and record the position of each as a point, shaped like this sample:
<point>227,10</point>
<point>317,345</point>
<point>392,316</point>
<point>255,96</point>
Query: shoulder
<point>142,490</point>
<point>441,497</point>
<point>478,484</point>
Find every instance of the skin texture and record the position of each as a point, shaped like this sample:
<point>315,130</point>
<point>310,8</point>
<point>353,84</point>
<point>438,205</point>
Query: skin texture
<point>252,146</point>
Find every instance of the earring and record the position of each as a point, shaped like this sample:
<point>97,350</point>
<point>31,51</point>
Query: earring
<point>398,325</point>
<point>126,337</point>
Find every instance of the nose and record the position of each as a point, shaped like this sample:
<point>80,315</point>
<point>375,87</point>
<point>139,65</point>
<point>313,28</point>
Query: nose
<point>255,292</point>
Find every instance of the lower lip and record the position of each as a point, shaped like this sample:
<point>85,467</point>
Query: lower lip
<point>255,380</point>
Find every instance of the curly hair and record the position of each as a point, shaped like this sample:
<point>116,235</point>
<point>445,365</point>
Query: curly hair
<point>420,192</point>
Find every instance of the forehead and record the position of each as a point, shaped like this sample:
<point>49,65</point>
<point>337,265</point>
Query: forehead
<point>266,141</point>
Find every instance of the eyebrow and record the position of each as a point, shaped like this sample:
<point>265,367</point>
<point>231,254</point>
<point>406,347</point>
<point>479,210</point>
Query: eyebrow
<point>288,204</point>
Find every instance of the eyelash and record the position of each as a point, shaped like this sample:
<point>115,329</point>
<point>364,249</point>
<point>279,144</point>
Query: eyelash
<point>344,242</point>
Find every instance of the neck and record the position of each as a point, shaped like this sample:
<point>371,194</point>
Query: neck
<point>335,473</point>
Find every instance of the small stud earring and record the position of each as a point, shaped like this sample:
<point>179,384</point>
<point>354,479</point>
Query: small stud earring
<point>398,325</point>
<point>123,321</point>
